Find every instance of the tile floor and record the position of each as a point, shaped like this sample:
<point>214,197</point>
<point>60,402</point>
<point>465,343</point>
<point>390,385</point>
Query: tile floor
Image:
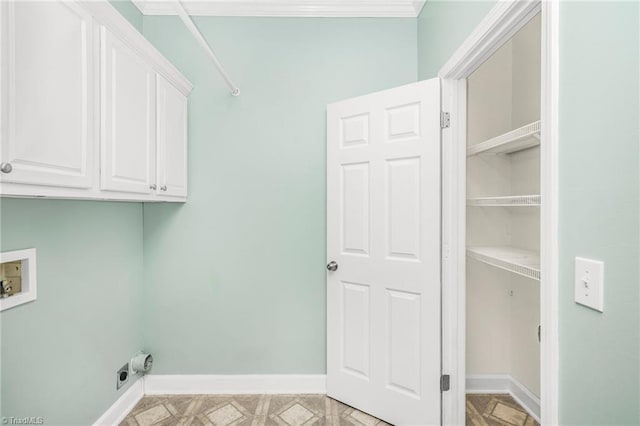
<point>246,410</point>
<point>297,410</point>
<point>496,410</point>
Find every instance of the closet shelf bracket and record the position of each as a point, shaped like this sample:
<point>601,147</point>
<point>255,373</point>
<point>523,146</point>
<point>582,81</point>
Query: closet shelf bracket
<point>507,201</point>
<point>516,140</point>
<point>518,261</point>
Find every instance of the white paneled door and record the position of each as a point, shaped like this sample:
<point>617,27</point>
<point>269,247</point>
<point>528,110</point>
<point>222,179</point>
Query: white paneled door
<point>383,247</point>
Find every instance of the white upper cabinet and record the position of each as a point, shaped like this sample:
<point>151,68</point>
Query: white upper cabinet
<point>47,94</point>
<point>89,109</point>
<point>128,131</point>
<point>172,140</point>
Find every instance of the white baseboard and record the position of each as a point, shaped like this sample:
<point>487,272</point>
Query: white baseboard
<point>123,405</point>
<point>159,384</point>
<point>504,383</point>
<point>488,383</point>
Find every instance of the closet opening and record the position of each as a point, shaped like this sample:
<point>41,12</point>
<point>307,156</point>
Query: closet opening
<point>503,232</point>
<point>500,218</point>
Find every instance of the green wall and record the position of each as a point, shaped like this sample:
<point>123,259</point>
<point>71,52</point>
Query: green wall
<point>235,277</point>
<point>236,271</point>
<point>599,193</point>
<point>129,11</point>
<point>60,353</point>
<point>599,213</point>
<point>239,269</point>
<point>442,27</point>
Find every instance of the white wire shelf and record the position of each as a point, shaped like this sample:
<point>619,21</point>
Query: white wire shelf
<point>525,137</point>
<point>518,261</point>
<point>510,201</point>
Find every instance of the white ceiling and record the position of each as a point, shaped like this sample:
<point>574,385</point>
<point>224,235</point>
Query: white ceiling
<point>289,8</point>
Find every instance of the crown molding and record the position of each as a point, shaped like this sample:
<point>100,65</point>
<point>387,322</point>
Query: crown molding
<point>289,8</point>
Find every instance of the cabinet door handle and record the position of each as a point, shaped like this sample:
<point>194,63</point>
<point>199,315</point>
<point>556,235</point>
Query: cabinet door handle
<point>163,188</point>
<point>153,186</point>
<point>6,167</point>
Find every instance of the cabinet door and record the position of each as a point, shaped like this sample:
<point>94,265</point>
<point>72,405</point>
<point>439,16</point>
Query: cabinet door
<point>47,98</point>
<point>127,118</point>
<point>172,140</point>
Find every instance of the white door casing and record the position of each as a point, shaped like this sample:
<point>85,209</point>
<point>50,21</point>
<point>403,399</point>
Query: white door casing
<point>47,101</point>
<point>128,104</point>
<point>500,24</point>
<point>172,140</point>
<point>383,230</point>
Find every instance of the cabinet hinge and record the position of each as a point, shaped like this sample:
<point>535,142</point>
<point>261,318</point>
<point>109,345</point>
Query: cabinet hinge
<point>445,382</point>
<point>445,120</point>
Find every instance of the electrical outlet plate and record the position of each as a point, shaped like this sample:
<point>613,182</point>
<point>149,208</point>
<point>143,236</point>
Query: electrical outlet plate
<point>122,376</point>
<point>589,283</point>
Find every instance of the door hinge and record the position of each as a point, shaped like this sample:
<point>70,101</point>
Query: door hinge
<point>445,382</point>
<point>445,120</point>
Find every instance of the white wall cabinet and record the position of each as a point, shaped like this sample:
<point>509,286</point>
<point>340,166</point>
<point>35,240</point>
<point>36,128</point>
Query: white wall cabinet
<point>89,108</point>
<point>172,140</point>
<point>128,132</point>
<point>46,94</point>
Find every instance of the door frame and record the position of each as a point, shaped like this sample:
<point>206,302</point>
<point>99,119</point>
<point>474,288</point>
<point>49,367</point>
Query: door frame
<point>500,24</point>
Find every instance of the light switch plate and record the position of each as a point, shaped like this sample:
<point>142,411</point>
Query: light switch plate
<point>589,283</point>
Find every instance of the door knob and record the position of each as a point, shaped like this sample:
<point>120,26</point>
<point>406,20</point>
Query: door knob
<point>153,186</point>
<point>163,188</point>
<point>332,266</point>
<point>6,167</point>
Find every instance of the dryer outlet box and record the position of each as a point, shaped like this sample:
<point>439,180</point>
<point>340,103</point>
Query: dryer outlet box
<point>122,376</point>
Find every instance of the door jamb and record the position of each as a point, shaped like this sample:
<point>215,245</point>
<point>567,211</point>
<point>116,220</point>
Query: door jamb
<point>500,24</point>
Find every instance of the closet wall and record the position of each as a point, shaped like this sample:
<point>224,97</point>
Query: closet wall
<point>503,308</point>
<point>525,221</point>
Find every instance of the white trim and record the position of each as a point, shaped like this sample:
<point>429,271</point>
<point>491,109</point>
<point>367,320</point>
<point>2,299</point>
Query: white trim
<point>549,155</point>
<point>454,154</point>
<point>504,383</point>
<point>123,405</point>
<point>289,8</point>
<point>105,14</point>
<point>28,278</point>
<point>195,384</point>
<point>487,383</point>
<point>16,190</point>
<point>502,22</point>
<point>178,384</point>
